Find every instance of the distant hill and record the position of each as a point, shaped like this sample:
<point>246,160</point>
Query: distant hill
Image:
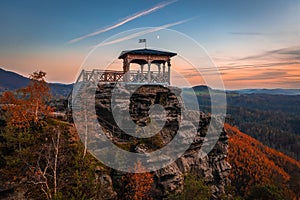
<point>11,81</point>
<point>268,91</point>
<point>60,90</point>
<point>256,164</point>
<point>199,89</point>
<point>202,89</point>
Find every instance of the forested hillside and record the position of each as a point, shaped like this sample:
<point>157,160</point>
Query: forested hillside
<point>255,165</point>
<point>273,120</point>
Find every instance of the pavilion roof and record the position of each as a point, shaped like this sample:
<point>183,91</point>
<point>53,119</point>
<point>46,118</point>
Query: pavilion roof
<point>146,52</point>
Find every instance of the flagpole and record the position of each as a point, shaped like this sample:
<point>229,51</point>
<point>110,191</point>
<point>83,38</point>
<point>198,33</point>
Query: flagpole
<point>143,41</point>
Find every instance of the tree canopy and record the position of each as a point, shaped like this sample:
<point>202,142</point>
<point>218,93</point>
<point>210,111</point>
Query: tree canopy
<point>27,105</point>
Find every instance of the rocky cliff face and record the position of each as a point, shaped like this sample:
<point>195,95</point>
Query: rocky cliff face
<point>170,179</point>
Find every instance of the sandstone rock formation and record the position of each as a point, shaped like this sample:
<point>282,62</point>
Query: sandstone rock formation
<point>170,179</point>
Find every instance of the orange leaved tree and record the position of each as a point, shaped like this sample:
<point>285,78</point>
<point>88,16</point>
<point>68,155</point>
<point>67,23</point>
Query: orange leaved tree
<point>29,103</point>
<point>139,184</point>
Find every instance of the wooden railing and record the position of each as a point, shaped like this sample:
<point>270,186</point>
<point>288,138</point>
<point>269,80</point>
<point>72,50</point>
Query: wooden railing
<point>154,77</point>
<point>97,76</point>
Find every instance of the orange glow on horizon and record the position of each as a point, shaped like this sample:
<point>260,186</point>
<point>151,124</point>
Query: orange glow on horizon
<point>65,67</point>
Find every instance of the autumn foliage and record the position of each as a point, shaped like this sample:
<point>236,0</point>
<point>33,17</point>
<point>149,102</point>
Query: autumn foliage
<point>139,184</point>
<point>255,164</point>
<point>28,104</point>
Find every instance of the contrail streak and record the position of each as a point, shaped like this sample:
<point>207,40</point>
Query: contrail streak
<point>124,21</point>
<point>138,34</point>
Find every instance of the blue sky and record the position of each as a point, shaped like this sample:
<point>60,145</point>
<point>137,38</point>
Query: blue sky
<point>261,34</point>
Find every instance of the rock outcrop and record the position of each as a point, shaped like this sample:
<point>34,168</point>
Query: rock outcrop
<point>213,167</point>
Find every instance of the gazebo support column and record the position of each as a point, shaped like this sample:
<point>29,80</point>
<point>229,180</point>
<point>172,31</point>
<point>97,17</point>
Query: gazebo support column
<point>169,72</point>
<point>149,72</point>
<point>142,69</point>
<point>142,72</point>
<point>159,73</point>
<point>158,67</point>
<point>164,72</point>
<point>126,70</point>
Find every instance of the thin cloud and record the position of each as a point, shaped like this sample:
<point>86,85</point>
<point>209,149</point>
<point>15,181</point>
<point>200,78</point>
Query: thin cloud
<point>255,66</point>
<point>293,53</point>
<point>124,21</point>
<point>262,76</point>
<point>138,34</point>
<point>237,66</point>
<point>246,33</point>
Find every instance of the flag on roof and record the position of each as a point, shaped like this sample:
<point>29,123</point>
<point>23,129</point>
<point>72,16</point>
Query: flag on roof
<point>142,40</point>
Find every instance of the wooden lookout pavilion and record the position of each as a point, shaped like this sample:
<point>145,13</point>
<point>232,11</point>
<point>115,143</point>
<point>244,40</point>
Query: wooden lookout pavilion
<point>155,67</point>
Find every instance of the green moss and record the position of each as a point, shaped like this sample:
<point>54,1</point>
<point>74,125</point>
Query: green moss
<point>267,192</point>
<point>194,189</point>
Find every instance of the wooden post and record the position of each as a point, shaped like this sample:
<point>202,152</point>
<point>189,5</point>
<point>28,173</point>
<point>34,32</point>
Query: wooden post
<point>149,72</point>
<point>142,72</point>
<point>164,71</point>
<point>126,70</point>
<point>142,68</point>
<point>159,77</point>
<point>159,68</point>
<point>169,71</point>
<point>84,76</point>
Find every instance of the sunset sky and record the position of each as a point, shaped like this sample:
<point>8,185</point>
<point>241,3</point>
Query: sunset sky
<point>254,44</point>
